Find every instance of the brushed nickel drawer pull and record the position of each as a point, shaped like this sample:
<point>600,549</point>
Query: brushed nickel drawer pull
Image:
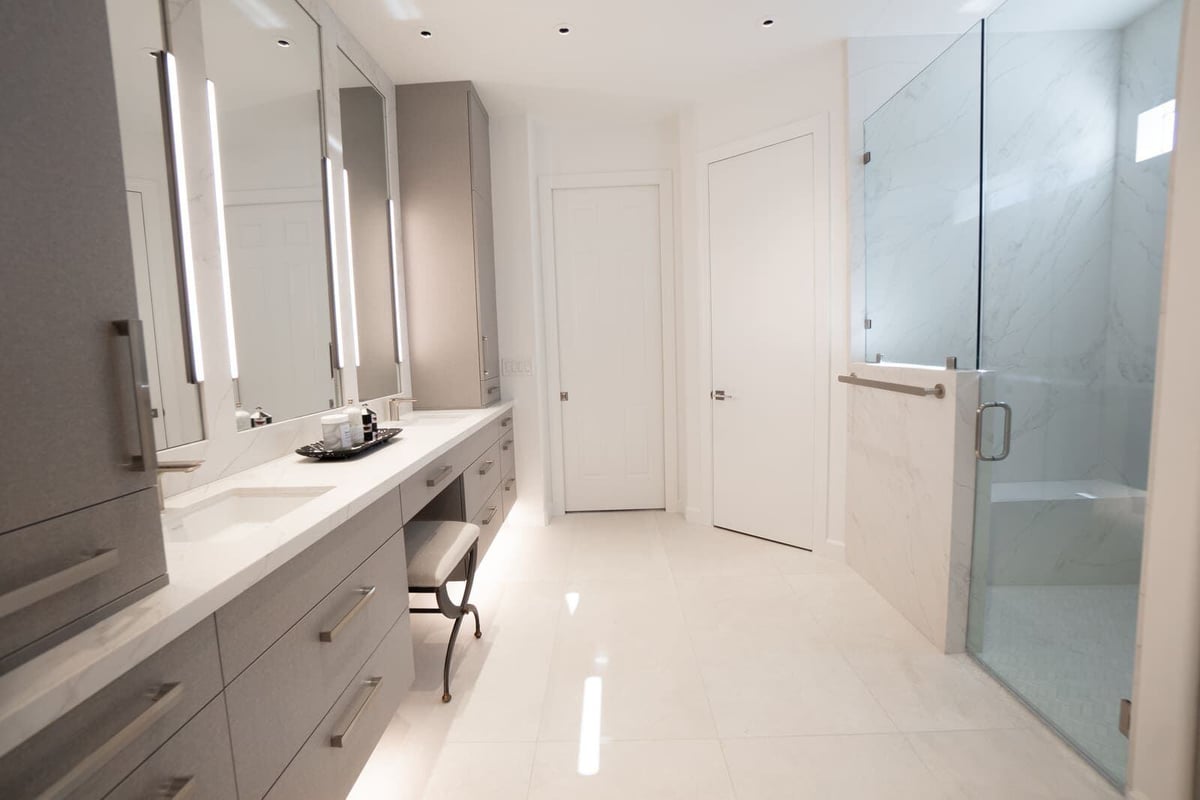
<point>507,446</point>
<point>167,696</point>
<point>443,473</point>
<point>491,516</point>
<point>343,738</point>
<point>504,423</point>
<point>509,484</point>
<point>100,562</point>
<point>367,593</point>
<point>180,789</point>
<point>487,467</point>
<point>493,389</point>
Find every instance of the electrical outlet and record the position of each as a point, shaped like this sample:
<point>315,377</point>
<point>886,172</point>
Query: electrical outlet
<point>516,366</point>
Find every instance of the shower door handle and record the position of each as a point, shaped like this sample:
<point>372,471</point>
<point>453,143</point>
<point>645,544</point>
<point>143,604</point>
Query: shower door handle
<point>1007,446</point>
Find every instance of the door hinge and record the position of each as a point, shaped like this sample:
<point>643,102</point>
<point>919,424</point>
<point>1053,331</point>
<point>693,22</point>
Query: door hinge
<point>564,397</point>
<point>867,323</point>
<point>1126,717</point>
<point>867,158</point>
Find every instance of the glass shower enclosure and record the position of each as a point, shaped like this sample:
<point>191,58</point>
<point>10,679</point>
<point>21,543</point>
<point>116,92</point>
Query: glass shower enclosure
<point>1052,157</point>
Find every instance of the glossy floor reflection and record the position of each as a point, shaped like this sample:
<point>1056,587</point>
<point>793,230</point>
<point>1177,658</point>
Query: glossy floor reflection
<point>636,656</point>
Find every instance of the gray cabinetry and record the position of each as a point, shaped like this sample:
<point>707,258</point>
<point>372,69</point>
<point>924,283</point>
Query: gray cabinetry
<point>90,749</point>
<point>275,704</point>
<point>446,214</point>
<point>72,444</point>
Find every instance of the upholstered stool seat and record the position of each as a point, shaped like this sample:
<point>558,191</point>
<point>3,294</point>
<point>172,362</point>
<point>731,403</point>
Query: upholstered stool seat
<point>435,549</point>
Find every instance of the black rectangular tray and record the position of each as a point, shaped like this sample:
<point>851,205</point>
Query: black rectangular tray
<point>319,451</point>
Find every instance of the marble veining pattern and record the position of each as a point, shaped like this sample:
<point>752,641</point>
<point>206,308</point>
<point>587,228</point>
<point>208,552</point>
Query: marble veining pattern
<point>206,577</point>
<point>922,213</point>
<point>909,524</point>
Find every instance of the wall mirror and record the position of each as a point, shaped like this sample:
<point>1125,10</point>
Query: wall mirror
<point>136,33</point>
<point>368,213</point>
<point>263,61</point>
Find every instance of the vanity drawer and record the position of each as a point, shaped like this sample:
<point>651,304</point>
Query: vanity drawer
<point>96,744</point>
<point>359,716</point>
<point>275,704</point>
<point>195,763</point>
<point>489,392</point>
<point>249,623</point>
<point>59,576</point>
<point>481,479</point>
<point>508,493</point>
<point>508,452</point>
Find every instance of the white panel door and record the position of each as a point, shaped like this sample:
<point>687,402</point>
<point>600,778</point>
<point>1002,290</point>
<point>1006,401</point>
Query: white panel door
<point>607,279</point>
<point>762,261</point>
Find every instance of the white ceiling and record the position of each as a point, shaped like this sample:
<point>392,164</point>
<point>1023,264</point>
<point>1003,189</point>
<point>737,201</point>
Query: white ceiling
<point>644,54</point>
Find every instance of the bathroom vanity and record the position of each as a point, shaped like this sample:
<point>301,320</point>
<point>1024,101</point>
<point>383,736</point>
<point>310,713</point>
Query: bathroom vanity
<point>297,568</point>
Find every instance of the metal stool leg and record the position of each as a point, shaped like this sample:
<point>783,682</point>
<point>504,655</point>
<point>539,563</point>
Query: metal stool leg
<point>456,613</point>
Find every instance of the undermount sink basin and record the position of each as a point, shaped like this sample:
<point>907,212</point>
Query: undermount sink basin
<point>235,513</point>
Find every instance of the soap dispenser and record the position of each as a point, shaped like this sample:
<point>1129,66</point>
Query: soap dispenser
<point>369,423</point>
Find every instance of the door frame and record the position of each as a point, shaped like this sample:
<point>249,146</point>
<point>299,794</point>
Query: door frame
<point>823,318</point>
<point>661,179</point>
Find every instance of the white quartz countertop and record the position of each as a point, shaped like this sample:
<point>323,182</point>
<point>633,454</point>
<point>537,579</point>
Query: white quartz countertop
<point>206,575</point>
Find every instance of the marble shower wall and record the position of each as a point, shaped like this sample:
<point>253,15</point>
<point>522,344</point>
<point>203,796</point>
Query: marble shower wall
<point>922,213</point>
<point>909,512</point>
<point>1050,152</point>
<point>1149,64</point>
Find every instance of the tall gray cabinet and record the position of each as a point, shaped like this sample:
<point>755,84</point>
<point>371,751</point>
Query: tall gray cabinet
<point>79,528</point>
<point>449,264</point>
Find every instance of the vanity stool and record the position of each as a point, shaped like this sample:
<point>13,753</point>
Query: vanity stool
<point>434,550</point>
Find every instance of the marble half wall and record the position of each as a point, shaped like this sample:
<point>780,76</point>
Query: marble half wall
<point>911,495</point>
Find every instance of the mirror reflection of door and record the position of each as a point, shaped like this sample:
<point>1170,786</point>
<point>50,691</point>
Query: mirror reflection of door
<point>135,29</point>
<point>365,186</point>
<point>264,62</point>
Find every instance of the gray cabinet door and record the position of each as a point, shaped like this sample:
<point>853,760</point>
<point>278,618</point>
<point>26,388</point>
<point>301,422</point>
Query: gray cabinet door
<point>485,288</point>
<point>481,147</point>
<point>65,384</point>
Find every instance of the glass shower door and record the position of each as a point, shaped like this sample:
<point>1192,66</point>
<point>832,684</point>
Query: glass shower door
<point>1074,222</point>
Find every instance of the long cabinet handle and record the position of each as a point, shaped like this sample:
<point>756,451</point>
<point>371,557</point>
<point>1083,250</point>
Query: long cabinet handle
<point>100,562</point>
<point>367,593</point>
<point>166,699</point>
<point>131,329</point>
<point>343,738</point>
<point>180,789</point>
<point>486,372</point>
<point>491,516</point>
<point>442,474</point>
<point>487,467</point>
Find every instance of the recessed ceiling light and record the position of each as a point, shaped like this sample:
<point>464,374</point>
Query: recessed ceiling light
<point>768,22</point>
<point>426,34</point>
<point>283,42</point>
<point>563,30</point>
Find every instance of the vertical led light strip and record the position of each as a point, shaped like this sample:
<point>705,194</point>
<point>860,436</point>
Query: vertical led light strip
<point>185,221</point>
<point>395,279</point>
<point>218,182</point>
<point>350,266</point>
<point>339,350</point>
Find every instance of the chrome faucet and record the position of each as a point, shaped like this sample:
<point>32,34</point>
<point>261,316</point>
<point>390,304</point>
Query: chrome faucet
<point>173,466</point>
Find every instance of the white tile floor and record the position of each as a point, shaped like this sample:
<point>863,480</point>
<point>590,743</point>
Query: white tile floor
<point>721,666</point>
